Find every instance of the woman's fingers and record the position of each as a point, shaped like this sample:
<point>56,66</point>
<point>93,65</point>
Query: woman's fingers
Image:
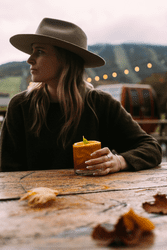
<point>106,171</point>
<point>96,161</point>
<point>100,166</point>
<point>103,162</point>
<point>102,172</point>
<point>100,159</point>
<point>100,152</point>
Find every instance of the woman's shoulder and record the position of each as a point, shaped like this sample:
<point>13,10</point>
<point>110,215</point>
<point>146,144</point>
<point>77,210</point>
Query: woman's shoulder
<point>18,99</point>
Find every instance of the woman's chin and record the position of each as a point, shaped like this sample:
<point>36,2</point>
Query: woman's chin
<point>35,79</point>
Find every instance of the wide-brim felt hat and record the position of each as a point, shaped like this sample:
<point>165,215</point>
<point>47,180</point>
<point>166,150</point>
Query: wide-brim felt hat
<point>62,34</point>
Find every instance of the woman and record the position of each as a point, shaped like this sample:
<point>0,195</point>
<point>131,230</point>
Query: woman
<point>43,122</point>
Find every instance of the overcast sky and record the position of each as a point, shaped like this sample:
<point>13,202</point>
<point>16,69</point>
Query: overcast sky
<point>105,21</point>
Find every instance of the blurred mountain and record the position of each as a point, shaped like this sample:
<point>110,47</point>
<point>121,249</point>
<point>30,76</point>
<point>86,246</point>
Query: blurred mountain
<point>128,57</point>
<point>118,58</point>
<point>130,63</point>
<point>13,69</point>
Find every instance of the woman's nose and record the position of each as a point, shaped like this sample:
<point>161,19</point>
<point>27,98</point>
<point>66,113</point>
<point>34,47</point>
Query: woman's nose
<point>31,60</point>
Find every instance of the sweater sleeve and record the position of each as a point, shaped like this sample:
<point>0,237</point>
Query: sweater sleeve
<point>13,146</point>
<point>122,134</point>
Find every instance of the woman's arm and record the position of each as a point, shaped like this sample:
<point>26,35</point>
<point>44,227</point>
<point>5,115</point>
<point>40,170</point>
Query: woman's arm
<point>13,146</point>
<point>136,150</point>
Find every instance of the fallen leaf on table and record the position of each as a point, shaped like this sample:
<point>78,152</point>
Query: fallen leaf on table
<point>159,206</point>
<point>40,196</point>
<point>128,230</point>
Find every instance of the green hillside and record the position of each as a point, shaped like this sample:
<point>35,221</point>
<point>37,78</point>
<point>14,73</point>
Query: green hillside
<point>10,85</point>
<point>13,69</point>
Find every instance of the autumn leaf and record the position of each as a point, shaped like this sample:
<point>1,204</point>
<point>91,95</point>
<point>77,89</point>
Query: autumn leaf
<point>159,206</point>
<point>128,230</point>
<point>130,219</point>
<point>40,196</point>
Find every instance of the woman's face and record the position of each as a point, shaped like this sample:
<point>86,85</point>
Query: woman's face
<point>45,66</point>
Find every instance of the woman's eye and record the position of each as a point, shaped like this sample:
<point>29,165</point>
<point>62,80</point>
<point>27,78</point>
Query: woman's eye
<point>40,52</point>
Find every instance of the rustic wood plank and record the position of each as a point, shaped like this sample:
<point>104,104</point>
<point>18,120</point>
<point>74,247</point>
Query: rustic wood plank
<point>14,184</point>
<point>66,182</point>
<point>68,223</point>
<point>10,186</point>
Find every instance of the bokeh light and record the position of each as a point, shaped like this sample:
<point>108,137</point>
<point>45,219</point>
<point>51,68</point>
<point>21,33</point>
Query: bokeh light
<point>149,65</point>
<point>97,78</point>
<point>89,79</point>
<point>114,74</point>
<point>126,71</point>
<point>105,76</point>
<point>137,69</point>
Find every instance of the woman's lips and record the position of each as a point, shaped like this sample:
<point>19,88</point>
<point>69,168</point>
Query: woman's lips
<point>33,71</point>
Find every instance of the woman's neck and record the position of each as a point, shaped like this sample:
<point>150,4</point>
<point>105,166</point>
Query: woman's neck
<point>52,93</point>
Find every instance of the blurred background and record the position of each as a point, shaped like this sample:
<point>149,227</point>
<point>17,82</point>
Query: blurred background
<point>130,35</point>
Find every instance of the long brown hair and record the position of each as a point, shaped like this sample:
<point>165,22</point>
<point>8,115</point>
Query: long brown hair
<point>71,92</point>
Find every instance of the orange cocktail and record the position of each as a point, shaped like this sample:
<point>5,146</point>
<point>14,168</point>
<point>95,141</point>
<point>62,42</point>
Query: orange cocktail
<point>81,153</point>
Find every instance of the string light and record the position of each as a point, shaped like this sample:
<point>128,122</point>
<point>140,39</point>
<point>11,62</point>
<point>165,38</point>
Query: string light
<point>126,71</point>
<point>97,78</point>
<point>114,74</point>
<point>89,79</point>
<point>149,65</point>
<point>105,76</point>
<point>137,69</point>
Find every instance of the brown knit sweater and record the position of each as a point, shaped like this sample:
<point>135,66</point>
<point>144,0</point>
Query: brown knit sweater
<point>21,150</point>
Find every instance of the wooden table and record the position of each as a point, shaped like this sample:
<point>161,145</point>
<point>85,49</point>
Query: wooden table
<point>82,203</point>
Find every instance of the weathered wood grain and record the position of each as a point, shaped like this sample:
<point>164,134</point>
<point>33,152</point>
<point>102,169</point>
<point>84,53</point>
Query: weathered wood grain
<point>69,222</point>
<point>83,202</point>
<point>12,185</point>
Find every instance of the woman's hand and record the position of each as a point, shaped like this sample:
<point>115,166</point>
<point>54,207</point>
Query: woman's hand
<point>105,162</point>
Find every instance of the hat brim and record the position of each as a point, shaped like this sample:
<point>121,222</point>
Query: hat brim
<point>24,43</point>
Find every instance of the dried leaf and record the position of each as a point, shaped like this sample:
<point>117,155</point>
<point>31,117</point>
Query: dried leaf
<point>100,233</point>
<point>128,230</point>
<point>40,196</point>
<point>159,206</point>
<point>130,219</point>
